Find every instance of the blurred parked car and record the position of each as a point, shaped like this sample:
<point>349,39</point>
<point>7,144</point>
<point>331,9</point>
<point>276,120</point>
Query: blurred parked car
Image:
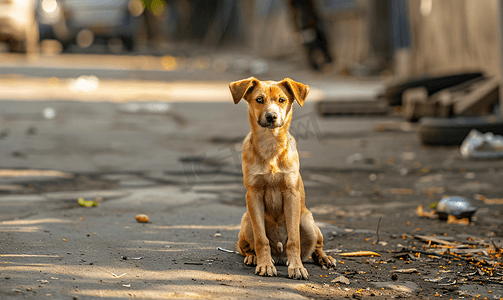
<point>84,21</point>
<point>18,25</point>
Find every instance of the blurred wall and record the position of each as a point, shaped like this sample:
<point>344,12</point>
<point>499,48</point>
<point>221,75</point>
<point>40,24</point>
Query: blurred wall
<point>348,30</point>
<point>346,23</point>
<point>454,35</point>
<point>272,31</point>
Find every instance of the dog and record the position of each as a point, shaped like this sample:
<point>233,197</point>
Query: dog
<point>277,228</point>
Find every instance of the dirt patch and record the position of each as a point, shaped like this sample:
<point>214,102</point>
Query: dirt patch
<point>468,265</point>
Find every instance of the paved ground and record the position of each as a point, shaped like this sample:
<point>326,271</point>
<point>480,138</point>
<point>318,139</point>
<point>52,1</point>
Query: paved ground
<point>179,164</point>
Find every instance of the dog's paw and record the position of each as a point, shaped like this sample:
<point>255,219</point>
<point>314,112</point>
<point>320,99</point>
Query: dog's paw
<point>266,270</point>
<point>251,260</point>
<point>327,262</point>
<point>298,273</point>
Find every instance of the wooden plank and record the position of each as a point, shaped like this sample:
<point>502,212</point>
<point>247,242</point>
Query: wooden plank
<point>327,107</point>
<point>478,101</point>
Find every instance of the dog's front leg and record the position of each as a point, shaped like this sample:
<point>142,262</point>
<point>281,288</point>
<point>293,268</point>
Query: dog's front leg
<point>292,210</point>
<point>255,207</point>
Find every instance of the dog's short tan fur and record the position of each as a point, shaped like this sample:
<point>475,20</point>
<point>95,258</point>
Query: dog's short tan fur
<point>276,214</point>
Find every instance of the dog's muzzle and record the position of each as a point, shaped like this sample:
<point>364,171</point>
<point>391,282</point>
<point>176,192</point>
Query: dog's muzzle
<point>270,120</point>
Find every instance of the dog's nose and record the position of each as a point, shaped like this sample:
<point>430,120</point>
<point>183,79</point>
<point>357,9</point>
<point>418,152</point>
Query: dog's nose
<point>271,117</point>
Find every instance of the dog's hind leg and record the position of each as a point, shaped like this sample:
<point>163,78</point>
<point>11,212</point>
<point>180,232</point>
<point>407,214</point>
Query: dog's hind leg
<point>246,241</point>
<point>319,256</point>
<point>312,242</point>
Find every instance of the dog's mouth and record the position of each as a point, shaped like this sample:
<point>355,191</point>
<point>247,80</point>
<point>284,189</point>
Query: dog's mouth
<point>270,125</point>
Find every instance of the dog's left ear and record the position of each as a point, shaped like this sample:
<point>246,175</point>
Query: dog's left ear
<point>240,87</point>
<point>298,90</point>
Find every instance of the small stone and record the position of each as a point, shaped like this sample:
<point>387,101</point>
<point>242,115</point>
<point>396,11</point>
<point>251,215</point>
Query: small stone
<point>341,279</point>
<point>142,218</point>
<point>18,154</point>
<point>32,130</point>
<point>402,286</point>
<point>7,277</point>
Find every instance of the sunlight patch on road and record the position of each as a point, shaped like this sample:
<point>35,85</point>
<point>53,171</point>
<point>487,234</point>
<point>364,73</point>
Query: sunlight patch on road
<point>19,229</point>
<point>170,282</point>
<point>29,269</point>
<point>165,250</point>
<point>23,264</point>
<point>163,242</point>
<point>28,173</point>
<point>28,255</point>
<point>217,227</point>
<point>142,294</point>
<point>92,89</point>
<point>31,222</point>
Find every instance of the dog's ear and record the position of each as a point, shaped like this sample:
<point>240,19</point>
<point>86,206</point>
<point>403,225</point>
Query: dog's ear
<point>297,89</point>
<point>240,87</point>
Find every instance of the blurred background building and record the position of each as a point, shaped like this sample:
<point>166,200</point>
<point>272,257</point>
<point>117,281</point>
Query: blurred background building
<point>361,37</point>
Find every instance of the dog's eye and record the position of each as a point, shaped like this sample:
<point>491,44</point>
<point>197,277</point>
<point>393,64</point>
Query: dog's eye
<point>281,100</point>
<point>260,100</point>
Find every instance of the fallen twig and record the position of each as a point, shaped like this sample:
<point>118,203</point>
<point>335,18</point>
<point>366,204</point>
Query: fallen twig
<point>405,271</point>
<point>435,240</point>
<point>470,259</point>
<point>448,283</point>
<point>377,230</point>
<point>478,271</point>
<point>114,275</point>
<point>132,258</point>
<point>333,250</point>
<point>227,250</point>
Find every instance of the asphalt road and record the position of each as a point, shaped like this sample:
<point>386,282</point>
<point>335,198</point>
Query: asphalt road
<point>178,162</point>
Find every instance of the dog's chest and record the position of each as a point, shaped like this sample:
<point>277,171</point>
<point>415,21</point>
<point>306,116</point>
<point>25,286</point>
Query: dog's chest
<point>274,187</point>
<point>273,201</point>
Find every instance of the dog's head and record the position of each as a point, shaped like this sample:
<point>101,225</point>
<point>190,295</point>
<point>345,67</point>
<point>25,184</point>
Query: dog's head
<point>269,102</point>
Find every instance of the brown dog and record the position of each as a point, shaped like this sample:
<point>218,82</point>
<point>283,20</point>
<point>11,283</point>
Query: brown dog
<point>275,199</point>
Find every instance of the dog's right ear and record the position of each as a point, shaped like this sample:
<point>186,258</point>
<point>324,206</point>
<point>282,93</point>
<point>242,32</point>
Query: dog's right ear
<point>240,87</point>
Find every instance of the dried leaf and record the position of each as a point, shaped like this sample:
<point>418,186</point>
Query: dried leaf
<point>488,201</point>
<point>142,218</point>
<point>421,213</point>
<point>360,253</point>
<point>453,220</point>
<point>493,201</point>
<point>85,203</point>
